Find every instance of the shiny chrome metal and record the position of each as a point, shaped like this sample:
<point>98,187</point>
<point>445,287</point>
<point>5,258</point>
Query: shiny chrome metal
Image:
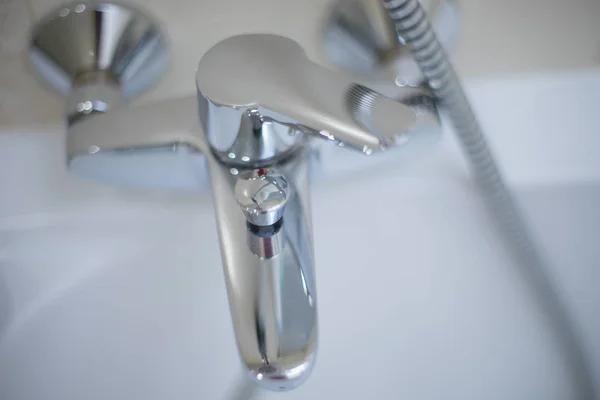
<point>260,101</point>
<point>270,278</point>
<point>261,97</point>
<point>360,37</point>
<point>97,54</point>
<point>272,296</point>
<point>262,195</point>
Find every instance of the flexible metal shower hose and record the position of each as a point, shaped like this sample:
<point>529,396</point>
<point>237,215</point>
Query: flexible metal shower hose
<point>413,27</point>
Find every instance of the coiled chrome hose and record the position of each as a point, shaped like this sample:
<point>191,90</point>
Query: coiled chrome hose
<point>414,29</point>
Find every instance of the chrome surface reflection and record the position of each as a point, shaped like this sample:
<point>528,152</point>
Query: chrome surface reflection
<point>271,286</point>
<point>260,98</point>
<point>97,54</point>
<point>260,102</point>
<point>262,195</point>
<point>360,37</point>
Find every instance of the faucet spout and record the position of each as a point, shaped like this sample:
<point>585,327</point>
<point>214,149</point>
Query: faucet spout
<point>260,102</point>
<point>272,295</point>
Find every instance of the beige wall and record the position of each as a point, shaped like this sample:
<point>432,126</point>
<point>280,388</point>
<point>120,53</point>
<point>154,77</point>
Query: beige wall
<point>498,37</point>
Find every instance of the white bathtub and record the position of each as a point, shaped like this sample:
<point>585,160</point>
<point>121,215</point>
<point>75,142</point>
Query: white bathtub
<point>109,293</point>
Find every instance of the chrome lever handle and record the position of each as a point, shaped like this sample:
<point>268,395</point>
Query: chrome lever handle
<point>260,97</point>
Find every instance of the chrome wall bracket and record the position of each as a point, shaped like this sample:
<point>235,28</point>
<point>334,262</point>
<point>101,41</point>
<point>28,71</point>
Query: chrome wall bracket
<point>360,38</point>
<point>98,55</point>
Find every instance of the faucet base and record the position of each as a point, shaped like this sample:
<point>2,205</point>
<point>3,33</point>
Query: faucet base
<point>97,54</point>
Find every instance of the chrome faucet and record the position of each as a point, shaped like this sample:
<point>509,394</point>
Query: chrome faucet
<point>260,102</point>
